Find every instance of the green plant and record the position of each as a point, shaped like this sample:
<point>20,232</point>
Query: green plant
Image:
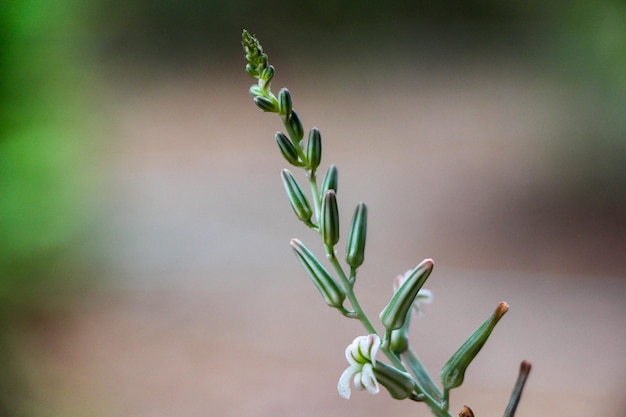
<point>405,377</point>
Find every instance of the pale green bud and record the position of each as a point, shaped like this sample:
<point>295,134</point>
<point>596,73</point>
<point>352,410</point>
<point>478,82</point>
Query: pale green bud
<point>294,127</point>
<point>314,148</point>
<point>285,104</point>
<point>399,384</point>
<point>394,314</point>
<point>267,75</point>
<point>256,90</point>
<point>265,104</point>
<point>257,59</point>
<point>330,180</point>
<point>296,196</point>
<point>453,372</point>
<point>326,285</point>
<point>329,222</point>
<point>288,150</point>
<point>355,249</point>
<point>252,71</point>
<point>400,337</point>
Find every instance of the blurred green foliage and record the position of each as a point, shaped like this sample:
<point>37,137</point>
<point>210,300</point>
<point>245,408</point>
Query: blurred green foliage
<point>45,210</point>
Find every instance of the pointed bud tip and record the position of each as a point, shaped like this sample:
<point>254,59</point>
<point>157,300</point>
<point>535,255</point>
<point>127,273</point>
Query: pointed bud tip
<point>502,308</point>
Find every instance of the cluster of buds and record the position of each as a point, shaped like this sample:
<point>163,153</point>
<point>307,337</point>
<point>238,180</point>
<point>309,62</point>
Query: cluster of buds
<point>405,376</point>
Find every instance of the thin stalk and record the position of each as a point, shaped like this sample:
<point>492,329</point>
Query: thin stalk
<point>317,202</point>
<point>524,370</point>
<point>421,374</point>
<point>350,292</point>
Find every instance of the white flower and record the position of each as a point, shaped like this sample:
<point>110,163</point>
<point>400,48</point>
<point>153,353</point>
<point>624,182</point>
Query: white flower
<point>361,355</point>
<point>423,296</point>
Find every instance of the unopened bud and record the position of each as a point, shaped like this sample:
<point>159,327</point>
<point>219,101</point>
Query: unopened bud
<point>329,222</point>
<point>399,384</point>
<point>453,372</point>
<point>285,104</point>
<point>265,104</point>
<point>326,285</point>
<point>355,249</point>
<point>288,150</point>
<point>298,200</point>
<point>314,148</point>
<point>266,76</point>
<point>330,180</point>
<point>252,71</point>
<point>294,127</point>
<point>395,313</point>
<point>256,90</point>
<point>399,342</point>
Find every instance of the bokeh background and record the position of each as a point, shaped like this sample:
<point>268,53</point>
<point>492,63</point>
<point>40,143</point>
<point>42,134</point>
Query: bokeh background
<point>144,260</point>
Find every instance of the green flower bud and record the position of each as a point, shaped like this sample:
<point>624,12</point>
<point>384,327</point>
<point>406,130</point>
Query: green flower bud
<point>265,104</point>
<point>394,314</point>
<point>252,71</point>
<point>400,338</point>
<point>294,127</point>
<point>326,285</point>
<point>314,148</point>
<point>296,196</point>
<point>329,222</point>
<point>453,372</point>
<point>257,59</point>
<point>267,75</point>
<point>330,180</point>
<point>355,249</point>
<point>285,104</point>
<point>288,149</point>
<point>399,384</point>
<point>255,90</point>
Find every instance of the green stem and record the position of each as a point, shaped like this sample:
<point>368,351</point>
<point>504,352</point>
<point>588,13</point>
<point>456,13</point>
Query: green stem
<point>445,402</point>
<point>435,408</point>
<point>427,384</point>
<point>356,306</point>
<point>317,201</point>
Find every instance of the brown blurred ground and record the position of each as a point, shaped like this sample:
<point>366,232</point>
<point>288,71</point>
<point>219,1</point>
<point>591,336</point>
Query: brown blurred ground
<point>212,316</point>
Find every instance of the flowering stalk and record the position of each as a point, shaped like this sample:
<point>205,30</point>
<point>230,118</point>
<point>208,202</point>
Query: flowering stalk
<point>405,377</point>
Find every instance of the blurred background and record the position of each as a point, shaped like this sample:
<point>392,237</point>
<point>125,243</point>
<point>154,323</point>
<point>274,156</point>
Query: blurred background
<point>144,260</point>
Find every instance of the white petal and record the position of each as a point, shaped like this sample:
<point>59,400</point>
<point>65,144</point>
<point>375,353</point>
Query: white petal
<point>344,380</point>
<point>363,348</point>
<point>357,382</point>
<point>368,380</point>
<point>375,345</point>
<point>352,352</point>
